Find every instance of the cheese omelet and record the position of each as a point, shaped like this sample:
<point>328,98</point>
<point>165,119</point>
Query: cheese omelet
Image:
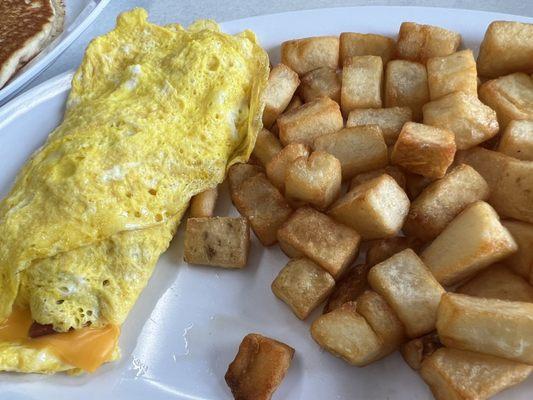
<point>156,114</point>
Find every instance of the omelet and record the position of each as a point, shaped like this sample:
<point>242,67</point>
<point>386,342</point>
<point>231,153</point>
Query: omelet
<point>156,114</point>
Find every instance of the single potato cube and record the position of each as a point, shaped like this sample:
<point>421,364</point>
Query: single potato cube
<point>358,149</point>
<point>469,119</point>
<point>380,250</point>
<point>314,180</point>
<point>489,326</point>
<point>276,169</point>
<point>390,120</point>
<point>303,285</point>
<point>217,241</point>
<point>441,201</point>
<point>453,73</point>
<point>424,150</point>
<point>415,184</point>
<point>238,173</point>
<point>258,368</point>
<point>473,240</point>
<point>418,42</point>
<point>521,262</point>
<point>391,170</point>
<point>321,82</point>
<point>517,140</point>
<point>266,146</point>
<point>304,55</point>
<point>281,85</point>
<point>346,334</point>
<point>375,209</point>
<point>362,81</point>
<point>264,206</point>
<point>352,284</point>
<point>305,123</point>
<point>510,96</point>
<point>498,282</point>
<point>417,350</point>
<point>463,375</point>
<point>203,204</point>
<point>406,85</point>
<point>331,245</point>
<point>506,48</point>
<point>361,44</point>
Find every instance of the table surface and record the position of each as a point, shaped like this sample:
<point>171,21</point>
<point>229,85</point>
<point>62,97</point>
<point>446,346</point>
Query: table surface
<point>186,11</point>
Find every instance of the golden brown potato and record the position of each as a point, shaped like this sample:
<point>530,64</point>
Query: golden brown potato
<point>375,209</point>
<point>331,245</point>
<point>264,206</point>
<point>506,48</point>
<point>453,73</point>
<point>358,149</point>
<point>521,262</point>
<point>217,241</point>
<point>517,140</point>
<point>469,119</point>
<point>303,285</point>
<point>489,326</point>
<point>346,334</point>
<point>441,201</point>
<point>406,85</point>
<point>282,83</point>
<point>417,350</point>
<point>304,55</point>
<point>266,146</point>
<point>463,375</point>
<point>390,120</point>
<point>410,289</point>
<point>418,42</point>
<point>511,96</point>
<point>258,368</point>
<point>382,249</point>
<point>238,173</point>
<point>361,44</point>
<point>498,282</point>
<point>362,82</point>
<point>424,150</point>
<point>321,82</point>
<point>276,169</point>
<point>314,180</point>
<point>305,123</point>
<point>203,204</point>
<point>348,288</point>
<point>391,170</point>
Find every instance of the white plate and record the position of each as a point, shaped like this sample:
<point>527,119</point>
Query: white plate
<point>79,15</point>
<point>189,321</point>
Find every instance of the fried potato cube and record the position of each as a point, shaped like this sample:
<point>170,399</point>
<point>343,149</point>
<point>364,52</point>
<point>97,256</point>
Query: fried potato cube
<point>362,82</point>
<point>276,169</point>
<point>473,240</point>
<point>511,96</point>
<point>264,206</point>
<point>441,201</point>
<point>351,285</point>
<point>281,85</point>
<point>390,120</point>
<point>417,350</point>
<point>346,334</point>
<point>359,149</point>
<point>498,282</point>
<point>471,121</point>
<point>369,44</point>
<point>305,123</point>
<point>517,140</point>
<point>238,173</point>
<point>463,375</point>
<point>314,180</point>
<point>418,42</point>
<point>410,289</point>
<point>415,184</point>
<point>203,204</point>
<point>375,209</point>
<point>391,170</point>
<point>521,262</point>
<point>266,146</point>
<point>304,55</point>
<point>506,48</point>
<point>382,249</point>
<point>406,85</point>
<point>217,241</point>
<point>331,245</point>
<point>453,73</point>
<point>424,150</point>
<point>321,82</point>
<point>489,326</point>
<point>303,285</point>
<point>258,368</point>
